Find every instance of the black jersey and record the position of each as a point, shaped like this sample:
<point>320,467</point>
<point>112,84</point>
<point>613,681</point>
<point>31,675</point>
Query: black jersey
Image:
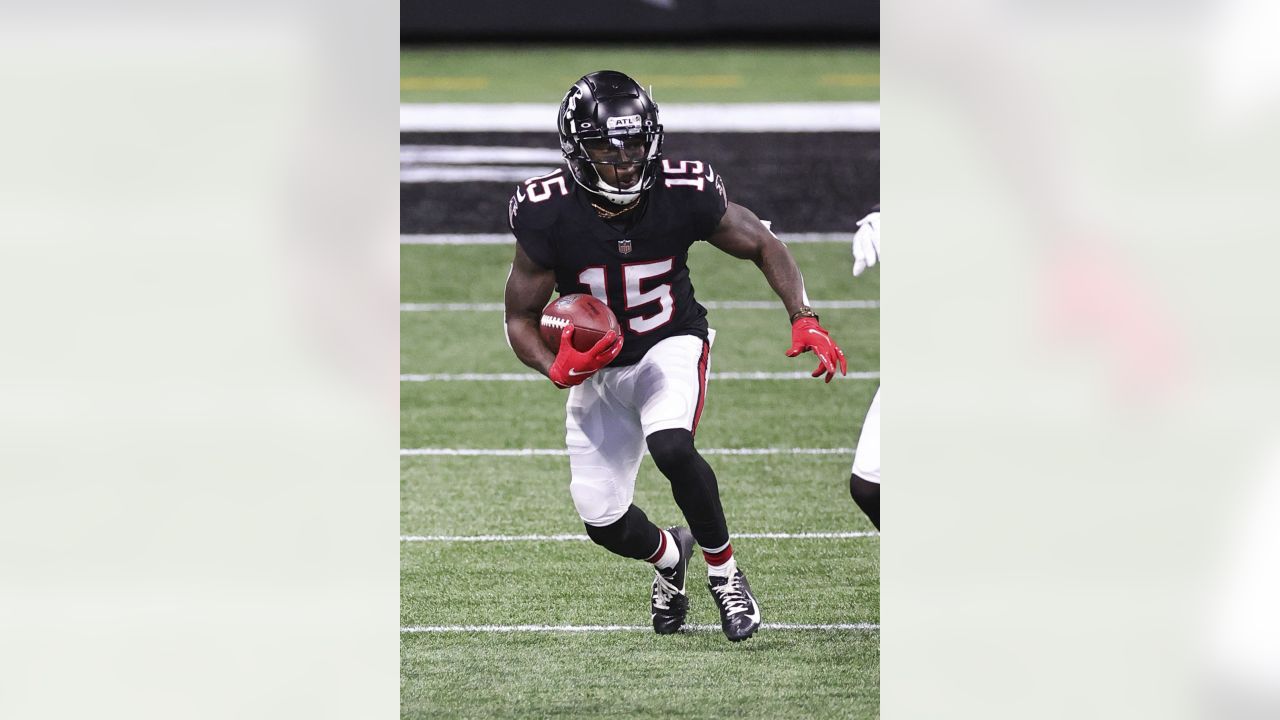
<point>639,268</point>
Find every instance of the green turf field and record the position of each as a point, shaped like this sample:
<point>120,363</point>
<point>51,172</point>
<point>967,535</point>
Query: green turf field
<point>782,673</point>
<point>707,74</point>
<point>447,583</point>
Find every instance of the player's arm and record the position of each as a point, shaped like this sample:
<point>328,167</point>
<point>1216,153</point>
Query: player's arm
<point>529,288</point>
<point>742,235</point>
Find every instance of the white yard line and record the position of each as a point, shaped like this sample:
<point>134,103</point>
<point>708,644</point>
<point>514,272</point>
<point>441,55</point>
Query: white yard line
<point>535,377</point>
<point>479,154</point>
<point>777,305</point>
<point>765,626</point>
<point>484,452</point>
<point>470,173</point>
<point>473,377</point>
<point>709,304</point>
<point>853,375</point>
<point>474,163</point>
<point>844,238</point>
<point>676,117</point>
<point>459,239</point>
<point>561,452</point>
<point>451,307</point>
<point>584,538</point>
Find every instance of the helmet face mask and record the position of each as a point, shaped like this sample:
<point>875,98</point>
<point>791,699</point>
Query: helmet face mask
<point>610,136</point>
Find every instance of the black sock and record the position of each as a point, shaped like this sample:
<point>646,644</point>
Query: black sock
<point>693,484</point>
<point>867,495</point>
<point>631,535</point>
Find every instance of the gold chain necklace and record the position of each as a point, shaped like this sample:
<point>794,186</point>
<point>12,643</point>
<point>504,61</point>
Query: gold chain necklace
<point>610,214</point>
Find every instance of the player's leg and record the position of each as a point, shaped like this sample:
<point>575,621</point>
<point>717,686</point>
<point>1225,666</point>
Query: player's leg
<point>670,392</point>
<point>864,481</point>
<point>866,493</point>
<point>696,492</point>
<point>605,446</point>
<point>605,449</point>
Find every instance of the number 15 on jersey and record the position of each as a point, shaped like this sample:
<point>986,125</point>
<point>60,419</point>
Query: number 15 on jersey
<point>635,278</point>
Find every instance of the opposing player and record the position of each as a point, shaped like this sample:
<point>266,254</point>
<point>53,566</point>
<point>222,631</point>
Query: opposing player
<point>864,480</point>
<point>617,222</point>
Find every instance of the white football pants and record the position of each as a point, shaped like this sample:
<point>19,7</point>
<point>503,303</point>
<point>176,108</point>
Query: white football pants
<point>608,417</point>
<point>866,459</point>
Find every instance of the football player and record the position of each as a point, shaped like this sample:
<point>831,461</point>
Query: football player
<point>617,222</point>
<point>864,480</point>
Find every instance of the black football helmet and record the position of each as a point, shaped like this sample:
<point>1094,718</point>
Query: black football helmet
<point>610,136</point>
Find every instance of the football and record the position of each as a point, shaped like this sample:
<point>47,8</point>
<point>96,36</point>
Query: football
<point>591,320</point>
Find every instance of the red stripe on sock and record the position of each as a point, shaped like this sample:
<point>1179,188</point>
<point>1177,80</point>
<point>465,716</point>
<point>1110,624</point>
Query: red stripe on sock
<point>719,558</point>
<point>662,548</point>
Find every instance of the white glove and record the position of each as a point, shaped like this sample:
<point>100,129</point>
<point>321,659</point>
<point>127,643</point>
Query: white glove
<point>866,243</point>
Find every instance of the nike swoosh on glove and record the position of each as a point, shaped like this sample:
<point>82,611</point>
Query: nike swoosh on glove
<point>573,367</point>
<point>807,334</point>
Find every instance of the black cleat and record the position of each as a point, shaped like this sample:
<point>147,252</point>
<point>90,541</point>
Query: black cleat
<point>670,602</point>
<point>739,612</point>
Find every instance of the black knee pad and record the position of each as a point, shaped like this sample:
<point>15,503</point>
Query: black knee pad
<point>867,495</point>
<point>671,448</point>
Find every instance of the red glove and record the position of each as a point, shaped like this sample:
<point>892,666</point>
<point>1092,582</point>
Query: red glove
<point>807,334</point>
<point>573,367</point>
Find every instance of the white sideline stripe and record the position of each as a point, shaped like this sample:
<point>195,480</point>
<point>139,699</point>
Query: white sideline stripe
<point>776,305</point>
<point>474,377</point>
<point>484,452</point>
<point>469,173</point>
<point>710,305</point>
<point>804,238</point>
<point>417,629</point>
<point>679,117</point>
<point>853,375</point>
<point>561,452</point>
<point>479,154</point>
<point>456,239</point>
<point>451,307</point>
<point>535,377</point>
<point>584,538</point>
<point>507,239</point>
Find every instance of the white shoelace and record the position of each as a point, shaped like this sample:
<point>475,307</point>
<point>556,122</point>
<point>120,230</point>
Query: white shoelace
<point>663,591</point>
<point>731,596</point>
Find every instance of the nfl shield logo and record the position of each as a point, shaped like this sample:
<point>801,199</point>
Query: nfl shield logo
<point>624,247</point>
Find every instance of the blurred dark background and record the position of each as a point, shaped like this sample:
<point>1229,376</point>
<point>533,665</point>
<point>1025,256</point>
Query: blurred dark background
<point>640,20</point>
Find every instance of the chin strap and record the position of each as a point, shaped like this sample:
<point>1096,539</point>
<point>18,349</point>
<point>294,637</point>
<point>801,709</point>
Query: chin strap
<point>613,197</point>
<point>613,194</point>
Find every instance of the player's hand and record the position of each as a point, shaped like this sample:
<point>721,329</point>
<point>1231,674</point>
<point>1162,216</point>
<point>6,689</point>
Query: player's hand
<point>573,367</point>
<point>866,243</point>
<point>807,334</point>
